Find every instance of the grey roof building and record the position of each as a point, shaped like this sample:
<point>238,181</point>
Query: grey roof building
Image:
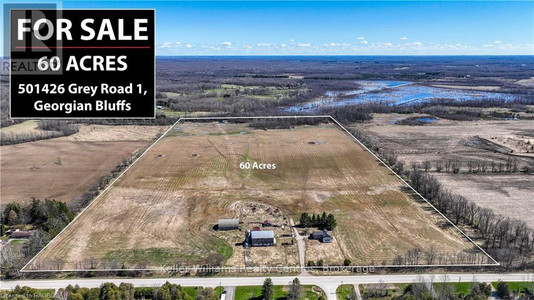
<point>228,224</point>
<point>321,235</point>
<point>262,238</point>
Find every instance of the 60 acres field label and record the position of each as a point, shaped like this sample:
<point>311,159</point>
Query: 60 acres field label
<point>246,165</point>
<point>82,64</point>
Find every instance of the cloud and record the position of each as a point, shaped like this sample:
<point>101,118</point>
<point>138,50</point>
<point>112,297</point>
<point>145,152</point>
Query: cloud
<point>166,45</point>
<point>361,46</point>
<point>337,45</point>
<point>360,38</point>
<point>404,38</point>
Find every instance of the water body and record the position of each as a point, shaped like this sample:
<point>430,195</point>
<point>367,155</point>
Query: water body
<point>396,93</point>
<point>426,119</point>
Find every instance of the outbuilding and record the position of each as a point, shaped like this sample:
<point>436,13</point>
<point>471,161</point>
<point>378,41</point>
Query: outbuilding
<point>228,224</point>
<point>21,234</point>
<point>262,238</point>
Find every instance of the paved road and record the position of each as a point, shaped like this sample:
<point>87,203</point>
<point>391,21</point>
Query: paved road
<point>230,292</point>
<point>327,283</point>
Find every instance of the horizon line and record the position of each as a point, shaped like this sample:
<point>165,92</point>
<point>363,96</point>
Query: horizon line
<point>328,55</point>
<point>333,55</point>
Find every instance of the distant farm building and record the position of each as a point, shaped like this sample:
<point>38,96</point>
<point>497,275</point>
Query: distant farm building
<point>21,234</point>
<point>321,235</point>
<point>228,224</point>
<point>262,238</point>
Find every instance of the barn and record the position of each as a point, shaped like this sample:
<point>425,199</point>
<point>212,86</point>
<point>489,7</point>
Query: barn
<point>262,238</point>
<point>228,224</point>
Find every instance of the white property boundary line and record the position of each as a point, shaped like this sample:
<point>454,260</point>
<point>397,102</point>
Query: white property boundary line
<point>276,268</point>
<point>418,194</point>
<point>97,197</point>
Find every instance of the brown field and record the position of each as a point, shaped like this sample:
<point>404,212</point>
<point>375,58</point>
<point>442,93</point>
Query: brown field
<point>64,168</point>
<point>447,139</point>
<point>508,194</point>
<point>163,209</point>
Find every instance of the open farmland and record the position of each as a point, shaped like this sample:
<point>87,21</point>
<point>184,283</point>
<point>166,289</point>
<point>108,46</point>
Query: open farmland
<point>486,142</point>
<point>162,211</point>
<point>64,168</point>
<point>508,195</point>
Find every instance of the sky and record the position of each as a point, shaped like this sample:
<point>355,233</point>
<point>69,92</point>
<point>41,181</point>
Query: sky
<point>338,28</point>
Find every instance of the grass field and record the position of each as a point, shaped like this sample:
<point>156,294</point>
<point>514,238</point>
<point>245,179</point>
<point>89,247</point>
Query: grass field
<point>309,292</point>
<point>164,208</point>
<point>343,291</point>
<point>517,286</point>
<point>30,126</point>
<point>459,287</point>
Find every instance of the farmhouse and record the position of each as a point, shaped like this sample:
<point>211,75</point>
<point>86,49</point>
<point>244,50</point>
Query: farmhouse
<point>228,224</point>
<point>262,238</point>
<point>321,235</point>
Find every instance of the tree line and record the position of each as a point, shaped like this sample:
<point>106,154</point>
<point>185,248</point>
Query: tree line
<point>510,165</point>
<point>295,291</point>
<point>322,221</point>
<point>110,291</point>
<point>284,123</point>
<point>94,190</point>
<point>509,241</point>
<point>423,289</point>
<point>47,218</point>
<point>49,215</point>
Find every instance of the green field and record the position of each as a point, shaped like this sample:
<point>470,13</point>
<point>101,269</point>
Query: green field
<point>280,292</point>
<point>254,292</point>
<point>460,287</point>
<point>344,290</point>
<point>517,286</point>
